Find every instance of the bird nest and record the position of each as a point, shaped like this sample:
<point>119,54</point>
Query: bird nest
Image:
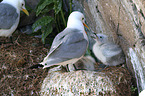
<point>121,79</point>
<point>17,79</point>
<point>15,59</point>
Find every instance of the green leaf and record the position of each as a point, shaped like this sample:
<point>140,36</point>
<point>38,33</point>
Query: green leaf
<point>40,2</point>
<point>42,6</point>
<point>47,9</point>
<point>46,31</point>
<point>42,22</point>
<point>57,6</point>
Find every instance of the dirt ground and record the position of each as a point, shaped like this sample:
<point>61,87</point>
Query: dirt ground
<point>16,79</point>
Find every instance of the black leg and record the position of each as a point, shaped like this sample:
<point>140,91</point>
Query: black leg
<point>67,69</point>
<point>75,67</point>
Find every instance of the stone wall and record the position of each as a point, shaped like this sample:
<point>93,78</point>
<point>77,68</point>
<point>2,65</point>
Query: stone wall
<point>124,22</point>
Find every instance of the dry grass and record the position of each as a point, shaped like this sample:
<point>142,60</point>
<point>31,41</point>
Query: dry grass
<point>121,79</point>
<point>16,79</point>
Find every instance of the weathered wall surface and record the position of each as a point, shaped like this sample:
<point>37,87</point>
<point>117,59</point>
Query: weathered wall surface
<point>124,22</point>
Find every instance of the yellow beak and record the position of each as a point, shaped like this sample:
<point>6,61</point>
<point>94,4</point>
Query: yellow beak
<point>86,26</point>
<point>97,37</point>
<point>25,11</point>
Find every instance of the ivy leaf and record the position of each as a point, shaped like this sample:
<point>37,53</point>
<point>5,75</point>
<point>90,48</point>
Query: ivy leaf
<point>42,6</point>
<point>57,6</point>
<point>46,31</point>
<point>42,22</point>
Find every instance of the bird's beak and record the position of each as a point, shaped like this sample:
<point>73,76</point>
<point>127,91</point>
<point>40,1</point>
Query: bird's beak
<point>86,26</point>
<point>25,11</point>
<point>94,36</point>
<point>97,37</point>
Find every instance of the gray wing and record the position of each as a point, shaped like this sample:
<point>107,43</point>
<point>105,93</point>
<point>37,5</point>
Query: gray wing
<point>58,39</point>
<point>110,49</point>
<point>8,16</point>
<point>73,45</point>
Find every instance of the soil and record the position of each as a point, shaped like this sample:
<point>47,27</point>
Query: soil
<point>16,78</point>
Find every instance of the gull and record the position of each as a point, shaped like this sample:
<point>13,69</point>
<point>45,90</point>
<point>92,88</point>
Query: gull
<point>69,45</point>
<point>10,16</point>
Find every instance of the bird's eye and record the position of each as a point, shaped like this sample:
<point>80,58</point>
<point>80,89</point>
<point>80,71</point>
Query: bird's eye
<point>22,4</point>
<point>101,37</point>
<point>82,18</point>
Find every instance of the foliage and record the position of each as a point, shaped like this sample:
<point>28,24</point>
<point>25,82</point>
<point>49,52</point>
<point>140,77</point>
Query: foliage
<point>133,89</point>
<point>45,24</point>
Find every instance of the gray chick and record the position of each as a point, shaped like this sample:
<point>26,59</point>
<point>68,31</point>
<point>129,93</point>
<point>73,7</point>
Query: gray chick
<point>107,52</point>
<point>85,63</point>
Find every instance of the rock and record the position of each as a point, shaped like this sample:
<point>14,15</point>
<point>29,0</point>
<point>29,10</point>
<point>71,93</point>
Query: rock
<point>32,3</point>
<point>123,21</point>
<point>29,20</point>
<point>86,83</point>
